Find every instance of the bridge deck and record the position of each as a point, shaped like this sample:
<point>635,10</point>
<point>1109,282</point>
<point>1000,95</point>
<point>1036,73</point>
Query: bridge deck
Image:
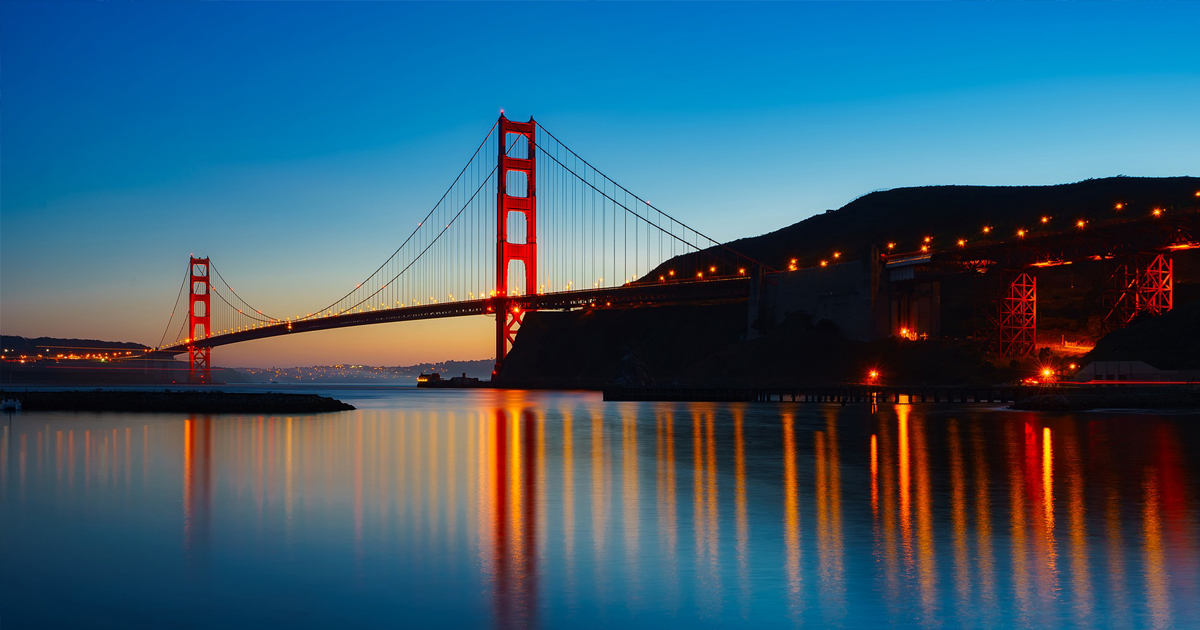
<point>648,294</point>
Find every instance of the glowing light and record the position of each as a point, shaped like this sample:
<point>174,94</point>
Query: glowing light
<point>962,242</point>
<point>872,375</point>
<point>891,246</point>
<point>699,274</point>
<point>924,248</point>
<point>837,254</point>
<point>824,263</point>
<point>1072,366</point>
<point>742,271</point>
<point>1021,233</point>
<point>1158,212</point>
<point>1080,223</point>
<point>928,239</point>
<point>987,229</point>
<point>1119,206</point>
<point>713,269</point>
<point>1045,219</point>
<point>671,272</point>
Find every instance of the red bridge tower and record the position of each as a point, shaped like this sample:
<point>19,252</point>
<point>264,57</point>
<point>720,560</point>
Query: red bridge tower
<point>199,321</point>
<point>522,164</point>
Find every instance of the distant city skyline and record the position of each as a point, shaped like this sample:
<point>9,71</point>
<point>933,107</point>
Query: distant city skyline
<point>297,144</point>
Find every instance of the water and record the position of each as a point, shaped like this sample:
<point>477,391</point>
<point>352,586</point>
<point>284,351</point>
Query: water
<point>473,509</point>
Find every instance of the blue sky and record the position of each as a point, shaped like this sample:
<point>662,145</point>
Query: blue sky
<point>296,143</point>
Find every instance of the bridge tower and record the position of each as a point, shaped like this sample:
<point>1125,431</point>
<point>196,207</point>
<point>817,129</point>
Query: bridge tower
<point>199,321</point>
<point>517,194</point>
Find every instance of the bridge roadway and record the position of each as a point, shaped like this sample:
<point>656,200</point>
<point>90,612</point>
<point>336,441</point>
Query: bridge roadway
<point>716,290</point>
<point>1175,231</point>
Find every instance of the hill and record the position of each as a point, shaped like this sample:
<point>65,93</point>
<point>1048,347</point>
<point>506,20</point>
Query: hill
<point>703,345</point>
<point>1168,342</point>
<point>905,216</point>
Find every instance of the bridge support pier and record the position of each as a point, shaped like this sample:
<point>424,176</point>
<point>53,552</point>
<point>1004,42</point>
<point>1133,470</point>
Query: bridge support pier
<point>1140,284</point>
<point>1017,329</point>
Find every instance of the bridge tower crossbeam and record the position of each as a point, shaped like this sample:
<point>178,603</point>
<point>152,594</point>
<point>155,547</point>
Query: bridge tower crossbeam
<point>199,320</point>
<point>510,312</point>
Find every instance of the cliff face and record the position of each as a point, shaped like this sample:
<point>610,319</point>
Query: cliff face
<point>1168,342</point>
<point>703,346</point>
<point>640,346</point>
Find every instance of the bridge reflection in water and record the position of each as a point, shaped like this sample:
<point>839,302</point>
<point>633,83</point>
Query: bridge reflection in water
<point>547,510</point>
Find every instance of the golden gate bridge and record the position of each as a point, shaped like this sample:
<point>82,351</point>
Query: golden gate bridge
<point>528,225</point>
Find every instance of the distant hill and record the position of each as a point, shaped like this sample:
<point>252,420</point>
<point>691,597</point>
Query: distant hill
<point>947,213</point>
<point>52,346</point>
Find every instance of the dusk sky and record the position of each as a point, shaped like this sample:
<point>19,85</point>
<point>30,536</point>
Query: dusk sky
<point>298,143</point>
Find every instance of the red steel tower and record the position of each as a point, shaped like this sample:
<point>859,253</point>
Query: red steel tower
<point>199,326</point>
<point>521,164</point>
<point>1018,315</point>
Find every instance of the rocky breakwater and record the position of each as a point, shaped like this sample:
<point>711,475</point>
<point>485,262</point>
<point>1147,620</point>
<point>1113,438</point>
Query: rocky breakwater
<point>168,401</point>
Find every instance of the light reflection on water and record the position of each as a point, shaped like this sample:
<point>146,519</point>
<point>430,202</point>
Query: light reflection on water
<point>470,509</point>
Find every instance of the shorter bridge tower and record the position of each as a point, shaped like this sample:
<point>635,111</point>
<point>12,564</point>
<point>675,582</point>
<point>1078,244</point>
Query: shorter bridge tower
<point>521,198</point>
<point>199,321</point>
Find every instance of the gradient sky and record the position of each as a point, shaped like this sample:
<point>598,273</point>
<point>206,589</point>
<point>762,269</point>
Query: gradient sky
<point>298,143</point>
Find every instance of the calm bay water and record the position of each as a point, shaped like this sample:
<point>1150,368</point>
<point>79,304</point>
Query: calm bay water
<point>474,509</point>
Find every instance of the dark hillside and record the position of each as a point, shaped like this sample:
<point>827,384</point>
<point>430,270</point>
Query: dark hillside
<point>52,346</point>
<point>1168,342</point>
<point>702,345</point>
<point>947,213</point>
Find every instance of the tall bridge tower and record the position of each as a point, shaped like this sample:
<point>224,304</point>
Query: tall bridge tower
<point>515,194</point>
<point>199,321</point>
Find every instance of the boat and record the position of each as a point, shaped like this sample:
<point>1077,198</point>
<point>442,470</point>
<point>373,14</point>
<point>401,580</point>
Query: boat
<point>435,380</point>
<point>10,405</point>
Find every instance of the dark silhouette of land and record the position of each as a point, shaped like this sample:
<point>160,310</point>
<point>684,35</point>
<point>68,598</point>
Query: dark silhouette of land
<point>190,401</point>
<point>705,346</point>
